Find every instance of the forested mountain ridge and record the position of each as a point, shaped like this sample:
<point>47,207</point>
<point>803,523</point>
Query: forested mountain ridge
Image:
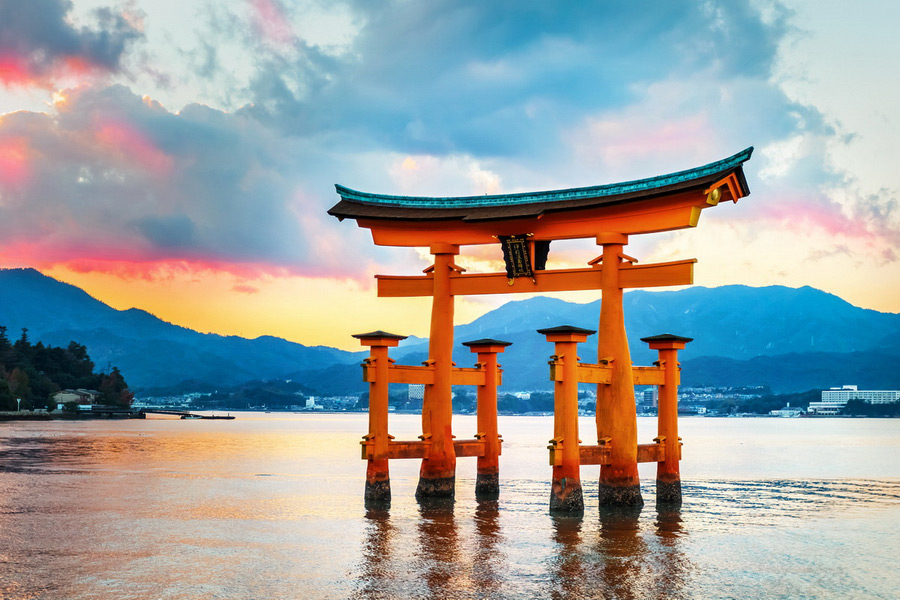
<point>791,339</point>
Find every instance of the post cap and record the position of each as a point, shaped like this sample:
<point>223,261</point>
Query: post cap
<point>487,344</point>
<point>666,341</point>
<point>374,337</point>
<point>566,333</point>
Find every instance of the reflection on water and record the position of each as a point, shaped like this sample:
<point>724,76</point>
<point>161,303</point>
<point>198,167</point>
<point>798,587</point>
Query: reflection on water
<point>488,559</point>
<point>457,556</point>
<point>567,567</point>
<point>376,565</point>
<point>273,508</point>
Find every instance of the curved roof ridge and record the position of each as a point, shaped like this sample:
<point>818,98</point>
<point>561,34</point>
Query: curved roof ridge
<point>612,189</point>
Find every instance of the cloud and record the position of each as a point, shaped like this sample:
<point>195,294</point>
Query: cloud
<point>39,42</point>
<point>495,79</point>
<point>245,289</point>
<point>110,177</point>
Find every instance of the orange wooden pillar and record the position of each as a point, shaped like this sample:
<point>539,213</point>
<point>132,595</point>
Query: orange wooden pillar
<point>375,443</point>
<point>616,412</point>
<point>487,481</point>
<point>565,492</point>
<point>668,474</point>
<point>437,476</point>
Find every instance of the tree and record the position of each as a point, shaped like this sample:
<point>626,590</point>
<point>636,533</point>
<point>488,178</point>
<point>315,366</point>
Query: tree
<point>19,386</point>
<point>113,389</point>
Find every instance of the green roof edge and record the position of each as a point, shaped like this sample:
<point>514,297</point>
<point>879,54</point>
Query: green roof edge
<point>612,189</point>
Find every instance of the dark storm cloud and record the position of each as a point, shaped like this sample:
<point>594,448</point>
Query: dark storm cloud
<point>502,78</point>
<point>37,40</point>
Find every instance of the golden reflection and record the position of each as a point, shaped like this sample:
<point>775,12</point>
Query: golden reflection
<point>376,553</point>
<point>624,571</point>
<point>568,564</point>
<point>489,562</point>
<point>675,567</point>
<point>439,548</point>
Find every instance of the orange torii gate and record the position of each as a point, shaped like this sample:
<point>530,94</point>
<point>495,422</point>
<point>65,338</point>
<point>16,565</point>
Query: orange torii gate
<point>525,224</point>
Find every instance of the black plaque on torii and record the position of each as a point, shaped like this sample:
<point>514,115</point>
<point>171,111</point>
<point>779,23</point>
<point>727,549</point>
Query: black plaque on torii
<point>517,256</point>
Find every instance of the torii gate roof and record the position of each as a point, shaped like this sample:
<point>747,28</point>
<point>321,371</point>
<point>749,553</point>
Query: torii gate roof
<point>619,207</point>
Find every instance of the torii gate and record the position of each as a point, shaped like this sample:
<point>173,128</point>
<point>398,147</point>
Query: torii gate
<point>525,223</point>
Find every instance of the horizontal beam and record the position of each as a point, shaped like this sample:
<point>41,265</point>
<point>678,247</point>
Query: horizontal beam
<point>651,453</point>
<point>425,375</point>
<point>677,211</point>
<point>600,455</point>
<point>588,373</point>
<point>558,280</point>
<point>461,376</point>
<point>401,374</point>
<point>468,448</point>
<point>649,375</point>
<point>594,455</point>
<point>421,449</point>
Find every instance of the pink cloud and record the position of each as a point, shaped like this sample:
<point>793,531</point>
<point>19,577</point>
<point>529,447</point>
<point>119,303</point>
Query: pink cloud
<point>628,141</point>
<point>272,23</point>
<point>803,214</point>
<point>133,145</point>
<point>14,168</point>
<point>13,70</point>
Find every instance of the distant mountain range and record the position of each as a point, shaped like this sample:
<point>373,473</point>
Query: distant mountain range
<point>789,339</point>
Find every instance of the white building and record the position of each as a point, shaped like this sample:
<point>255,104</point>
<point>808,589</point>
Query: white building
<point>787,411</point>
<point>834,399</point>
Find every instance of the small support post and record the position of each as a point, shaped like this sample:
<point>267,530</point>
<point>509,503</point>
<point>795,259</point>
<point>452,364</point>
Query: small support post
<point>668,474</point>
<point>487,482</point>
<point>565,492</point>
<point>375,443</point>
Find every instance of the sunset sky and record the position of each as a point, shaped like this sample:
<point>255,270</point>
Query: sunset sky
<point>180,156</point>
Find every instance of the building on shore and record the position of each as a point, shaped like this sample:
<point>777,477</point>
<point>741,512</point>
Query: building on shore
<point>787,411</point>
<point>84,398</point>
<point>835,399</point>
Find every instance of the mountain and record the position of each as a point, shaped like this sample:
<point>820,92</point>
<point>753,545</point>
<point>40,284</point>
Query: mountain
<point>792,339</point>
<point>783,337</point>
<point>149,351</point>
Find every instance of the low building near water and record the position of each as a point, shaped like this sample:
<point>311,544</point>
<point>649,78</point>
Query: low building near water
<point>835,399</point>
<point>787,411</point>
<point>84,398</point>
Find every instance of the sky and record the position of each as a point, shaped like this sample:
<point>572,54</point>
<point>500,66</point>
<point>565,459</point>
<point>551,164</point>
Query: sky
<point>180,156</point>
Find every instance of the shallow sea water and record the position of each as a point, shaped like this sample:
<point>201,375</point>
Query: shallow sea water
<point>270,506</point>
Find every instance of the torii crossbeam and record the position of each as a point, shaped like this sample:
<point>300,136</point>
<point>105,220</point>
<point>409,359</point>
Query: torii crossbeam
<point>607,213</point>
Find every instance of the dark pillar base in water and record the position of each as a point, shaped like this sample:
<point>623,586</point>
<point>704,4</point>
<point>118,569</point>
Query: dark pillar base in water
<point>668,493</point>
<point>378,493</point>
<point>440,487</point>
<point>620,495</point>
<point>566,497</point>
<point>487,486</point>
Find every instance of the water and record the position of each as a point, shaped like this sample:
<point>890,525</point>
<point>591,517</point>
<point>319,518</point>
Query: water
<point>270,506</point>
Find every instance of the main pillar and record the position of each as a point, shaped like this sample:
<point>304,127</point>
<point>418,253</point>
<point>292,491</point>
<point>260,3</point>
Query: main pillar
<point>565,454</point>
<point>437,476</point>
<point>616,412</point>
<point>487,481</point>
<point>668,474</point>
<point>375,444</point>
